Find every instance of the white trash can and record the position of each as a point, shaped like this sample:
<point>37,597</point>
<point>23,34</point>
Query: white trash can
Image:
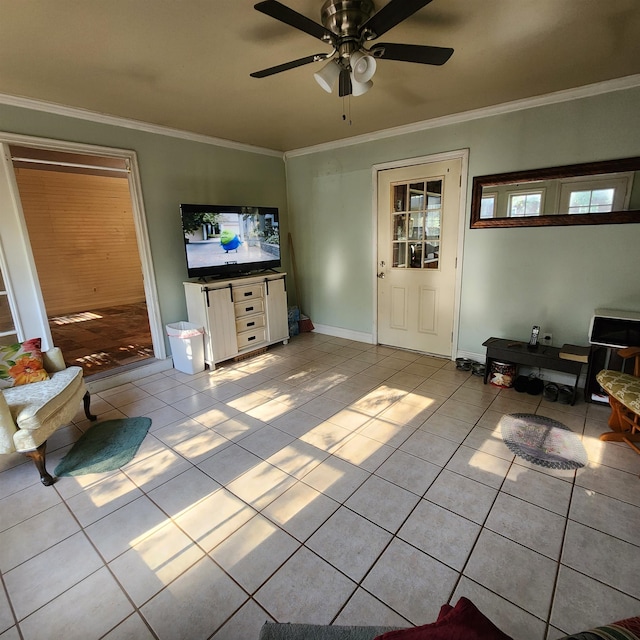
<point>187,346</point>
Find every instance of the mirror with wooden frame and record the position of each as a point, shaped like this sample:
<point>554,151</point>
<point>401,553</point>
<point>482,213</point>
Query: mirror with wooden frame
<point>605,192</point>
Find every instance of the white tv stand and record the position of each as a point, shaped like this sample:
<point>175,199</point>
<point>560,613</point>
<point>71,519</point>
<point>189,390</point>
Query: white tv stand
<point>239,315</point>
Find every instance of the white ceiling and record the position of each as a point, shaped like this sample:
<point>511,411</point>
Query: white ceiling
<point>185,64</point>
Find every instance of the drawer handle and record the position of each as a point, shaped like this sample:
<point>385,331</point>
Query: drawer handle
<point>248,293</point>
<point>248,308</point>
<point>251,338</point>
<point>250,324</point>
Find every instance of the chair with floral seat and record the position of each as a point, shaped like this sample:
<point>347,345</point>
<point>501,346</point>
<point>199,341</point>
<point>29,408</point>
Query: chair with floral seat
<point>38,395</point>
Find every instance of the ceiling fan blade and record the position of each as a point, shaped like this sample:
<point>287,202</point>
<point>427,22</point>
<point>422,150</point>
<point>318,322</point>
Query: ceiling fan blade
<point>289,65</point>
<point>344,88</point>
<point>421,54</point>
<point>294,19</point>
<point>393,13</point>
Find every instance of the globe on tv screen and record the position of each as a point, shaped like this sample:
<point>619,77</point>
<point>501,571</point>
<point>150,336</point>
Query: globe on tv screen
<point>225,240</point>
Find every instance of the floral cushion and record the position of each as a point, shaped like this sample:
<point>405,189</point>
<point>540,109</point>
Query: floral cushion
<point>628,629</point>
<point>622,386</point>
<point>21,363</point>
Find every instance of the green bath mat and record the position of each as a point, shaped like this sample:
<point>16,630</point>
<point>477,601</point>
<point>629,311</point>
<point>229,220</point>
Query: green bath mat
<point>104,447</point>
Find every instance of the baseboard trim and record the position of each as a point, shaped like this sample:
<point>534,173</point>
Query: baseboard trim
<point>477,357</point>
<point>339,332</point>
<point>130,375</point>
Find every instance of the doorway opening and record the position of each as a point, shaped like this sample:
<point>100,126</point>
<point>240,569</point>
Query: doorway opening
<point>79,217</point>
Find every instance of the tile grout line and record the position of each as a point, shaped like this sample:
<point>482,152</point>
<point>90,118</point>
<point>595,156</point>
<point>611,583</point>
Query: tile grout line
<point>559,561</point>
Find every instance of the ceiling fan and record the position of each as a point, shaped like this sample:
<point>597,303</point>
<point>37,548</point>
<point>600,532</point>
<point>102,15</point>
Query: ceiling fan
<point>347,25</point>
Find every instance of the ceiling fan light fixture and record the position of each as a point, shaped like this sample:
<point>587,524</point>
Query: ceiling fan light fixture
<point>358,88</point>
<point>328,75</point>
<point>347,25</point>
<point>363,66</point>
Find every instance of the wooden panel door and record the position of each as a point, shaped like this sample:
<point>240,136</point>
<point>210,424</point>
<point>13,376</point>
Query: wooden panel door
<point>418,209</point>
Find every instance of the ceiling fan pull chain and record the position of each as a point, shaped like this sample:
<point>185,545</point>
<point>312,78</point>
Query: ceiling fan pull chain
<point>347,100</point>
<point>344,115</point>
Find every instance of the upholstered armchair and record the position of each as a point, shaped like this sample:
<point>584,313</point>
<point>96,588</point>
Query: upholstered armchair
<point>30,413</point>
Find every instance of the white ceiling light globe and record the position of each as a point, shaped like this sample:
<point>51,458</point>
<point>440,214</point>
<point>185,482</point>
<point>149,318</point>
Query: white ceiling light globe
<point>363,66</point>
<point>328,75</point>
<point>358,88</point>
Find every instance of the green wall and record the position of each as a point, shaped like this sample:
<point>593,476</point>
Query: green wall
<point>511,278</point>
<point>172,170</point>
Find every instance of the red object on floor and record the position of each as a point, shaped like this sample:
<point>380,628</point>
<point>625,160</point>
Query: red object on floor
<point>462,622</point>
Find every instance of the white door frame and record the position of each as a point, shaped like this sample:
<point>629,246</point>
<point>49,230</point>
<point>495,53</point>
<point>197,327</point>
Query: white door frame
<point>462,154</point>
<point>29,278</point>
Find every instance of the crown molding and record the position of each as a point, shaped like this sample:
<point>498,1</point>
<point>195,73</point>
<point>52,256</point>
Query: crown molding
<point>566,95</point>
<point>599,88</point>
<point>138,125</point>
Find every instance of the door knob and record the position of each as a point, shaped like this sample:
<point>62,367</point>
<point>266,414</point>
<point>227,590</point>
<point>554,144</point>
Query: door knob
<point>381,275</point>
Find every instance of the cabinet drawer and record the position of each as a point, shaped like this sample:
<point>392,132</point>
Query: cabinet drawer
<point>249,323</point>
<point>247,292</point>
<point>250,338</point>
<point>249,307</point>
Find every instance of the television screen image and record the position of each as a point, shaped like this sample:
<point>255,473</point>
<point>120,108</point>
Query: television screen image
<point>222,240</point>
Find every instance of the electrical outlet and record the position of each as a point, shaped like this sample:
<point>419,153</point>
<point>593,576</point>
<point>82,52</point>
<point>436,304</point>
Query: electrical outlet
<point>547,338</point>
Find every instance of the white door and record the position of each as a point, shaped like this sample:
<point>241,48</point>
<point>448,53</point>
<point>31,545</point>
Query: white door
<point>418,219</point>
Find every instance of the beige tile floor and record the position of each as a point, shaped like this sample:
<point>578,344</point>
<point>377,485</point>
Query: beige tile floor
<point>326,481</point>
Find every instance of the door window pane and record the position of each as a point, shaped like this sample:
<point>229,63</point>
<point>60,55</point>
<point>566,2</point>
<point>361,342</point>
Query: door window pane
<point>416,196</point>
<point>432,248</point>
<point>415,255</point>
<point>416,225</point>
<point>400,226</point>
<point>400,255</point>
<point>416,235</point>
<point>434,186</point>
<point>400,197</point>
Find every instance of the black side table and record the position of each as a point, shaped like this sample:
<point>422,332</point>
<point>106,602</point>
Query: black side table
<point>543,357</point>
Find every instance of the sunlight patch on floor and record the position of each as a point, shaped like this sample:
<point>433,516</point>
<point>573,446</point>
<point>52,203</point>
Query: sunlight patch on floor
<point>595,448</point>
<point>83,316</point>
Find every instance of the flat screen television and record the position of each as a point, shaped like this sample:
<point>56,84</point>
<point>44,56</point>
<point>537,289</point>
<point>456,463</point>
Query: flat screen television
<point>227,240</point>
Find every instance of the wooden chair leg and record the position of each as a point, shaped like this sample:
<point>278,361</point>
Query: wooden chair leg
<point>87,411</point>
<point>625,426</point>
<point>620,436</point>
<point>616,421</point>
<point>631,440</point>
<point>39,458</point>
